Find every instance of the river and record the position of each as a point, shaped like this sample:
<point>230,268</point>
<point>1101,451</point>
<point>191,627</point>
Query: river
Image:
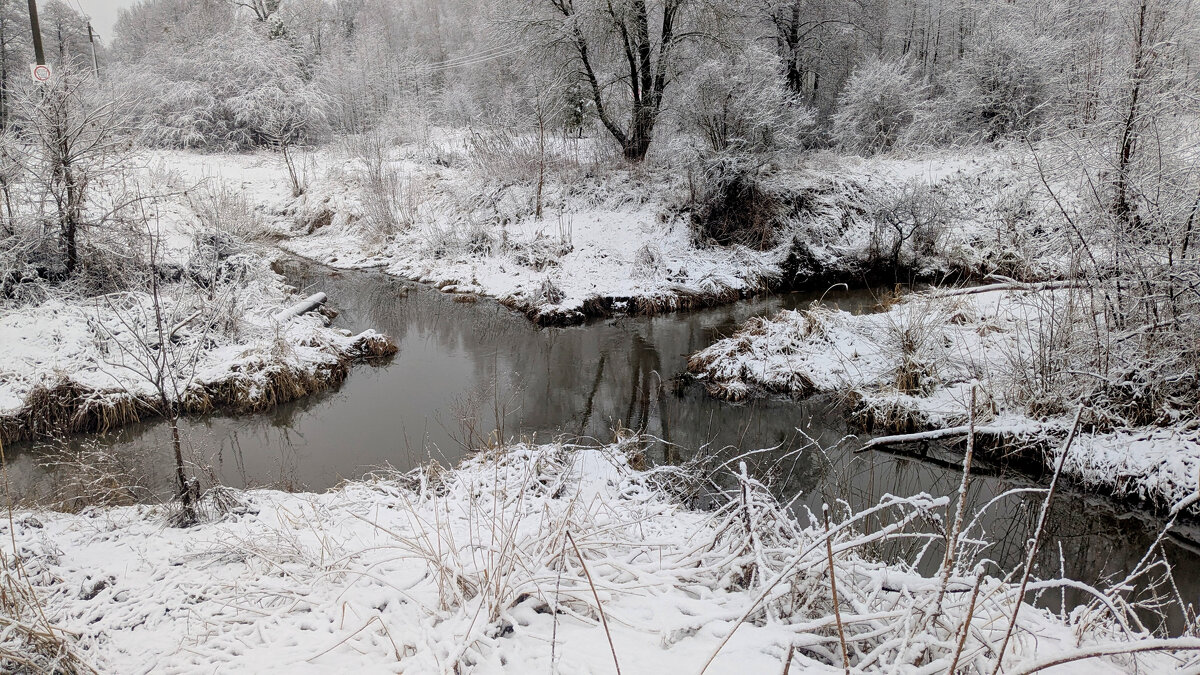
<point>466,369</point>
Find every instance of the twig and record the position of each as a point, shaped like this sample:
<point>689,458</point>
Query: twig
<point>960,512</point>
<point>599,608</point>
<point>837,614</point>
<point>787,661</point>
<point>1156,645</point>
<point>966,627</point>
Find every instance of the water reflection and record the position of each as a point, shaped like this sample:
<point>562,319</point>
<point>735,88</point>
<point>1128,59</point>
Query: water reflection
<point>465,370</point>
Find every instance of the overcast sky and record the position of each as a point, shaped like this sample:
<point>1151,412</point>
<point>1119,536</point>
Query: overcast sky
<point>103,14</point>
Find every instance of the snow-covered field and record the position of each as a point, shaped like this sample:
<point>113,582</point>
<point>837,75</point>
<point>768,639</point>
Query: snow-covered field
<point>913,366</point>
<point>532,559</point>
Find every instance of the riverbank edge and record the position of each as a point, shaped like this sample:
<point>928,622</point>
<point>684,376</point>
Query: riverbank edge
<point>68,407</point>
<point>1016,441</point>
<point>600,307</point>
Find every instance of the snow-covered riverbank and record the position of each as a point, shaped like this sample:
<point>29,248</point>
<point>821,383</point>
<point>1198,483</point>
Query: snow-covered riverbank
<point>913,366</point>
<point>179,296</point>
<point>614,240</point>
<point>529,559</point>
<point>89,364</point>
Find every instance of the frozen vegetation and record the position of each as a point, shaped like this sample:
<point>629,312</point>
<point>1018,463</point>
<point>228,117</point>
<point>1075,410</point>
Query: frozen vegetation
<point>529,559</point>
<point>188,274</point>
<point>634,241</point>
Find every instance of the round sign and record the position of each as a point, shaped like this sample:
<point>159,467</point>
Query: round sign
<point>41,72</point>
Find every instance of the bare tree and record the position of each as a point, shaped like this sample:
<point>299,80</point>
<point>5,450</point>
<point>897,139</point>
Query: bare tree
<point>263,9</point>
<point>76,135</point>
<point>148,347</point>
<point>800,28</point>
<point>633,46</point>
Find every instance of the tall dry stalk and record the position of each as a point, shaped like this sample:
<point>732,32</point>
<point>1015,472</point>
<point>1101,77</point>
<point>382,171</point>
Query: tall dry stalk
<point>955,527</point>
<point>837,612</point>
<point>599,607</point>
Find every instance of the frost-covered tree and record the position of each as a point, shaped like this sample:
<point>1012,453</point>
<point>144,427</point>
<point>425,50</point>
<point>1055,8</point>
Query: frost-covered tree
<point>630,52</point>
<point>73,134</point>
<point>14,48</point>
<point>64,33</point>
<point>1002,86</point>
<point>815,40</point>
<point>744,103</point>
<point>212,81</point>
<point>880,101</point>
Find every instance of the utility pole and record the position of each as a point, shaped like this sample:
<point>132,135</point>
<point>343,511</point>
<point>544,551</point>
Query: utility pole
<point>92,41</point>
<point>37,34</point>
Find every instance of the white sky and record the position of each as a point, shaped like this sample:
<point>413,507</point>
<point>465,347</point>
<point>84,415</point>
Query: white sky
<point>103,14</point>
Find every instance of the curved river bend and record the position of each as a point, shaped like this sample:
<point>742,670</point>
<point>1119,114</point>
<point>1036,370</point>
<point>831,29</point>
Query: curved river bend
<point>466,369</point>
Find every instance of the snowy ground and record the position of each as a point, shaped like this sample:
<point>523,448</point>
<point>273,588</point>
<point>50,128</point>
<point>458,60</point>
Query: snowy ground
<point>912,367</point>
<point>90,349</point>
<point>528,559</point>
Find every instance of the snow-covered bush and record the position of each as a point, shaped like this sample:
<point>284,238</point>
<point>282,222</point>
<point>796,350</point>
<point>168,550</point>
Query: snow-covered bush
<point>237,89</point>
<point>910,221</point>
<point>880,101</point>
<point>731,204</point>
<point>1001,86</point>
<point>744,104</point>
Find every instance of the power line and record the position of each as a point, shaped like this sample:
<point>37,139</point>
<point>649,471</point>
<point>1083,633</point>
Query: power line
<point>468,60</point>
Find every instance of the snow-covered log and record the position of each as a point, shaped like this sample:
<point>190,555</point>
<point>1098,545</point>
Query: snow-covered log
<point>305,306</point>
<point>938,434</point>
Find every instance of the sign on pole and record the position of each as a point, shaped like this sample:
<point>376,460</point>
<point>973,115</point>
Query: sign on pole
<point>41,72</point>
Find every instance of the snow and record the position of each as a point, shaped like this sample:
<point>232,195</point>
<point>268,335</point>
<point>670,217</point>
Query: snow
<point>239,335</point>
<point>77,341</point>
<point>476,568</point>
<point>915,364</point>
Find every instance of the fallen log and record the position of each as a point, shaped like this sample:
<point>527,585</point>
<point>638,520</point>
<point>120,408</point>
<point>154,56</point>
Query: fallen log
<point>305,306</point>
<point>937,434</point>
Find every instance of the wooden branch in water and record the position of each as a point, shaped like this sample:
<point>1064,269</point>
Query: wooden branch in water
<point>305,306</point>
<point>935,434</point>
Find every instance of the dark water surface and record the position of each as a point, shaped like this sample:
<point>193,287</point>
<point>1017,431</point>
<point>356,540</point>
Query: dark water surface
<point>464,370</point>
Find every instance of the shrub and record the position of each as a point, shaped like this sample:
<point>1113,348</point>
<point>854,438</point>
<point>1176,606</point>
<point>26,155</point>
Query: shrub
<point>1000,87</point>
<point>880,101</point>
<point>744,104</point>
<point>223,92</point>
<point>731,204</point>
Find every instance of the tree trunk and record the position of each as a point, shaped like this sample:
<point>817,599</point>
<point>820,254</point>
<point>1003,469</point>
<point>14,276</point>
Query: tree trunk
<point>641,131</point>
<point>185,491</point>
<point>1121,204</point>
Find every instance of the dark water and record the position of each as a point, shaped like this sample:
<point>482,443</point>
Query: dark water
<point>465,370</point>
